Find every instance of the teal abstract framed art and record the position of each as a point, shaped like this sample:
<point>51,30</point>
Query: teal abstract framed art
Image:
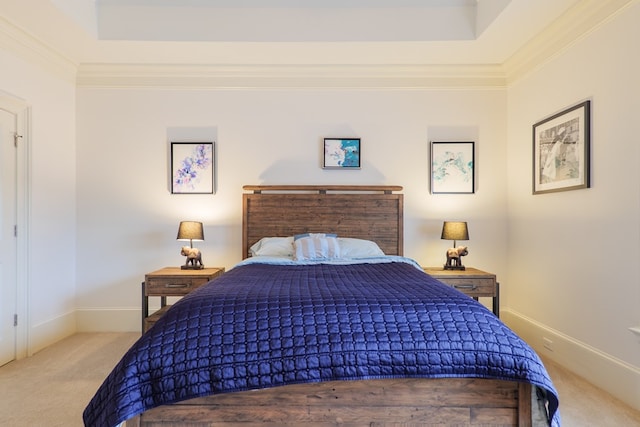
<point>452,167</point>
<point>341,153</point>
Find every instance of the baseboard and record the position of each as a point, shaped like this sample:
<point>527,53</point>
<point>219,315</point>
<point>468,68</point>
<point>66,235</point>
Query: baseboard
<point>108,320</point>
<point>51,331</point>
<point>615,376</point>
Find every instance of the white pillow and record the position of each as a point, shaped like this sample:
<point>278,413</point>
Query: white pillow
<point>358,248</point>
<point>273,246</point>
<point>315,247</point>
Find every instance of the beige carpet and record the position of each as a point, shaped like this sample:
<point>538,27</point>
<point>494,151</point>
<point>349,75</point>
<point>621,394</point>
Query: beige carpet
<point>53,387</point>
<point>584,405</point>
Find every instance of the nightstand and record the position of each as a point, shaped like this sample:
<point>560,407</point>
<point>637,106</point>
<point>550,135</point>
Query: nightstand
<point>473,282</point>
<point>171,282</point>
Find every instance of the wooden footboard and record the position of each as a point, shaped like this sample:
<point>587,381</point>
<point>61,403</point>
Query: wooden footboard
<point>389,402</point>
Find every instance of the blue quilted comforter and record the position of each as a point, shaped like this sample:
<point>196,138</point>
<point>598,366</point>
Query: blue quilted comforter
<point>264,325</point>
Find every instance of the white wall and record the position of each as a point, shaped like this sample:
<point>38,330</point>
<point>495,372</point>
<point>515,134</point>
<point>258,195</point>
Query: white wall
<point>573,272</point>
<point>52,181</point>
<point>127,219</point>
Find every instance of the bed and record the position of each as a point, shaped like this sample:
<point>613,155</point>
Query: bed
<point>333,333</point>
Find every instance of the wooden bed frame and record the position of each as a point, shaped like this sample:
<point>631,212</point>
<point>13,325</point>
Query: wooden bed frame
<point>372,213</point>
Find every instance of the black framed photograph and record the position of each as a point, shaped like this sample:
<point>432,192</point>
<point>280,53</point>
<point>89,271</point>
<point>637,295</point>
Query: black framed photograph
<point>561,150</point>
<point>452,167</point>
<point>341,153</point>
<point>192,167</point>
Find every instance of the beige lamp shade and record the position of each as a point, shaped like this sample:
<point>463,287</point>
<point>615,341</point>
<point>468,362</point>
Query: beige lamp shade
<point>190,230</point>
<point>455,230</point>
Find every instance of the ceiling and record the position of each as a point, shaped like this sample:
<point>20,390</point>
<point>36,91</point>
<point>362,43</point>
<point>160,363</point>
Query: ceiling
<point>297,43</point>
<point>286,31</point>
<point>284,20</point>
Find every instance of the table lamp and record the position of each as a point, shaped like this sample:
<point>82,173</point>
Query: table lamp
<point>191,230</point>
<point>455,230</point>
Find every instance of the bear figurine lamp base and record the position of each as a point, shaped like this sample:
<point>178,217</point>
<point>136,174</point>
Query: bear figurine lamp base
<point>191,230</point>
<point>455,230</point>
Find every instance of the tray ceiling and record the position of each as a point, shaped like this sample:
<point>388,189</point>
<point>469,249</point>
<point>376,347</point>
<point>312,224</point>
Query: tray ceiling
<point>285,20</point>
<point>297,43</point>
<point>293,31</point>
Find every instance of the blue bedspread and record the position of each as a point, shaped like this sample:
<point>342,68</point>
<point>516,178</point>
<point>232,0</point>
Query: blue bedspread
<point>262,325</point>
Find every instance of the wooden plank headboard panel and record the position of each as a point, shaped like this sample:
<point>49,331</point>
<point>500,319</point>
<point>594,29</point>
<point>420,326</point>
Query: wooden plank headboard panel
<point>363,212</point>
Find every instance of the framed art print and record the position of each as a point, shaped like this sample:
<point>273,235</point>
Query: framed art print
<point>561,159</point>
<point>452,167</point>
<point>192,167</point>
<point>341,153</point>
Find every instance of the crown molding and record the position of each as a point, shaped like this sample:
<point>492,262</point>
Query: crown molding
<point>290,76</point>
<point>32,50</point>
<point>574,25</point>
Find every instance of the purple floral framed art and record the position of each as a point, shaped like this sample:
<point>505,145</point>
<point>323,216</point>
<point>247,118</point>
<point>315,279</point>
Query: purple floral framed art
<point>192,167</point>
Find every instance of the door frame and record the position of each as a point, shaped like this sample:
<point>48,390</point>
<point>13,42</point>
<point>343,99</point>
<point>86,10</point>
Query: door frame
<point>22,111</point>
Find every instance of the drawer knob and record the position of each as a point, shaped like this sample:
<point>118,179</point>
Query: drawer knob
<point>467,287</point>
<point>176,285</point>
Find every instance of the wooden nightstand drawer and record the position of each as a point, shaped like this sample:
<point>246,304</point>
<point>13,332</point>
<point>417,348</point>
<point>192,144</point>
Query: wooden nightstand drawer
<point>171,282</point>
<point>473,287</point>
<point>173,286</point>
<point>471,281</point>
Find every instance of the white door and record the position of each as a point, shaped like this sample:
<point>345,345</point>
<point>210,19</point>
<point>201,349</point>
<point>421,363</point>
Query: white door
<point>8,241</point>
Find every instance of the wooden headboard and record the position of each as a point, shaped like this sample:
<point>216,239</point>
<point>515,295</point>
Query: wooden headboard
<point>371,212</point>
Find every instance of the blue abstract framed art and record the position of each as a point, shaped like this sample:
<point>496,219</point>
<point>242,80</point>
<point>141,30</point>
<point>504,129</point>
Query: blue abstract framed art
<point>341,153</point>
<point>452,168</point>
<point>192,167</point>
